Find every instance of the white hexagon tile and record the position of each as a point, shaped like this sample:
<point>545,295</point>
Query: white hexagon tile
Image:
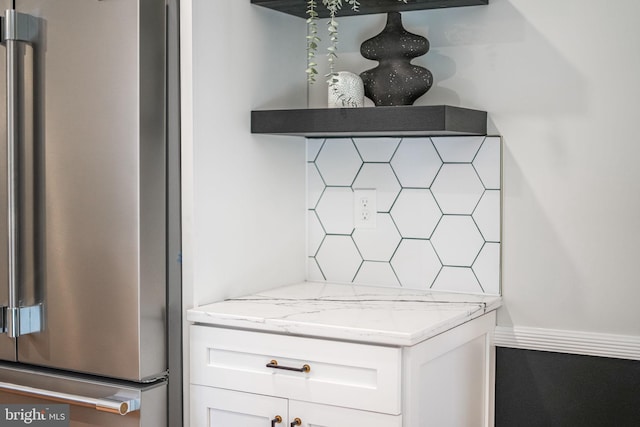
<point>378,244</point>
<point>338,162</point>
<point>335,210</point>
<point>377,274</point>
<point>381,177</point>
<point>313,271</point>
<point>338,259</point>
<point>438,212</point>
<point>457,240</point>
<point>458,149</point>
<point>416,162</point>
<point>416,213</point>
<point>315,186</point>
<point>376,149</point>
<point>457,189</point>
<point>487,162</point>
<point>315,234</point>
<point>484,267</point>
<point>459,279</point>
<point>313,148</point>
<point>416,264</point>
<point>487,215</point>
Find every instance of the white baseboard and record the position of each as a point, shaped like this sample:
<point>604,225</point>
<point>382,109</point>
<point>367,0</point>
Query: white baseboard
<point>574,342</point>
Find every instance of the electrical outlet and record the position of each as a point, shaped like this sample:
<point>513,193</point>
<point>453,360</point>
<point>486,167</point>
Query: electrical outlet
<point>364,208</point>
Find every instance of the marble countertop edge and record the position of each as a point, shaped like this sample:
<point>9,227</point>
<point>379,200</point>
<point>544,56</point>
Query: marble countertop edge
<point>358,313</point>
<point>333,332</point>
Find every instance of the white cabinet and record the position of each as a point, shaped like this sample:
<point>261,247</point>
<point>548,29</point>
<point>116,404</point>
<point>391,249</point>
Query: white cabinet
<point>219,407</point>
<point>345,374</point>
<point>314,415</point>
<point>247,378</point>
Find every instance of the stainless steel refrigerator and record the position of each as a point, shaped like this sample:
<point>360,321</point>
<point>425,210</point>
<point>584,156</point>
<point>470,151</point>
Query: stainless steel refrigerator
<point>89,209</point>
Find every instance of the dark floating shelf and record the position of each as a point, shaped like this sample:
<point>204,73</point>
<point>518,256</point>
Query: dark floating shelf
<point>371,121</point>
<point>299,7</point>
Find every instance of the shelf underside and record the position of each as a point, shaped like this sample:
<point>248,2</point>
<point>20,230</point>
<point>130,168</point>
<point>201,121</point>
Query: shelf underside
<point>299,7</point>
<point>371,121</point>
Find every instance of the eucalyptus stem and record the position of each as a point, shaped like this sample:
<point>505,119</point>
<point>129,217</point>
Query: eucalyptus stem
<point>332,27</point>
<point>333,6</point>
<point>312,40</point>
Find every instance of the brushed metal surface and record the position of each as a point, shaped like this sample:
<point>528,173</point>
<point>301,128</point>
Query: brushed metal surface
<point>7,345</point>
<point>13,183</point>
<point>99,186</point>
<point>174,237</point>
<point>152,397</point>
<point>115,404</point>
<point>22,157</point>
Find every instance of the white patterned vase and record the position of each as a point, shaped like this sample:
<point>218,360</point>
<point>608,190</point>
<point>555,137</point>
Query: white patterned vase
<point>347,92</point>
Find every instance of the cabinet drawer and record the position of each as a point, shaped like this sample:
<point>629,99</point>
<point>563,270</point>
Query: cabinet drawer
<point>344,374</point>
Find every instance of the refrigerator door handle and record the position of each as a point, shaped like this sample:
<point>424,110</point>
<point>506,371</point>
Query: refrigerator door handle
<point>17,27</point>
<point>120,403</point>
<point>3,309</point>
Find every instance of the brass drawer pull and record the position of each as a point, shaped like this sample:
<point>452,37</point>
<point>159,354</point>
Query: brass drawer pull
<point>276,420</point>
<point>296,422</point>
<point>274,364</point>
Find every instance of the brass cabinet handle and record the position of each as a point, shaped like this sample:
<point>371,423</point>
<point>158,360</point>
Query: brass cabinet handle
<point>276,420</point>
<point>274,365</point>
<point>296,422</point>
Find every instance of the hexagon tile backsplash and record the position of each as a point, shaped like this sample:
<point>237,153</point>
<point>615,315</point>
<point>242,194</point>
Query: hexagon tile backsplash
<point>438,212</point>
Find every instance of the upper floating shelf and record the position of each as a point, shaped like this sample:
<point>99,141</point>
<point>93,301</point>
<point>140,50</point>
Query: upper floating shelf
<point>371,121</point>
<point>299,7</point>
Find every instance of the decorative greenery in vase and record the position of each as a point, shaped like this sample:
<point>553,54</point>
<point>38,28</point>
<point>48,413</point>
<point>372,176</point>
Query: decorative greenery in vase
<point>333,6</point>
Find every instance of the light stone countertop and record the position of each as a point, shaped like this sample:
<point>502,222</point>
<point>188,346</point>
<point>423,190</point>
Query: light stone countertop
<point>378,315</point>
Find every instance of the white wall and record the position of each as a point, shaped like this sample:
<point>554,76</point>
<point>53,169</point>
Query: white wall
<point>560,81</point>
<point>244,194</point>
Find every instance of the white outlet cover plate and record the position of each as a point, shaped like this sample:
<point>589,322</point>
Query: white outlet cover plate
<point>364,208</point>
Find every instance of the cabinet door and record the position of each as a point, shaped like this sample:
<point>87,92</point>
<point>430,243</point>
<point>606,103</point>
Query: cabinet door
<point>215,407</point>
<point>315,415</point>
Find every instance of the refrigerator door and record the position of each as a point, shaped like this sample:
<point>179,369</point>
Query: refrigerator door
<point>93,98</point>
<point>7,345</point>
<point>91,403</point>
